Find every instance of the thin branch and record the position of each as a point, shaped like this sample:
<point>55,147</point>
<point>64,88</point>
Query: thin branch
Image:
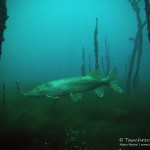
<point>134,5</point>
<point>131,39</point>
<point>139,1</point>
<point>144,23</point>
<point>130,1</point>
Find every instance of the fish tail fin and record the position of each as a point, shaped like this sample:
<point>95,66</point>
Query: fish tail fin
<point>18,89</point>
<point>111,79</point>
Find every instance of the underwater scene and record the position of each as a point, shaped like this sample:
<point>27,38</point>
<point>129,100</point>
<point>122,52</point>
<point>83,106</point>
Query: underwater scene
<point>74,74</point>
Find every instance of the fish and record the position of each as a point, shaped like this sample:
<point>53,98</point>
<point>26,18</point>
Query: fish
<point>74,86</point>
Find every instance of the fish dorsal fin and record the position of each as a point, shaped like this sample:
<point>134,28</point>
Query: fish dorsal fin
<point>95,74</point>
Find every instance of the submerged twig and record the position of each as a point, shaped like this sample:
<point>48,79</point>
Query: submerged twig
<point>4,95</point>
<point>17,87</point>
<point>96,50</point>
<point>102,61</point>
<point>53,105</point>
<point>83,66</point>
<point>90,68</point>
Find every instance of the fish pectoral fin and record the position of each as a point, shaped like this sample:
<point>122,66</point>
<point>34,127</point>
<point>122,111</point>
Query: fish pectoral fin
<point>99,92</point>
<point>75,96</point>
<point>53,97</point>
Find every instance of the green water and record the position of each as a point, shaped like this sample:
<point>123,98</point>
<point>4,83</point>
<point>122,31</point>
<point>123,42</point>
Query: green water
<point>90,124</point>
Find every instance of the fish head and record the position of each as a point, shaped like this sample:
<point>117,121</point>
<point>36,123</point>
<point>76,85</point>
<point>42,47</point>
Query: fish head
<point>38,91</point>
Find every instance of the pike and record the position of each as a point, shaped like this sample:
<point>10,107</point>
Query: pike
<point>74,86</point>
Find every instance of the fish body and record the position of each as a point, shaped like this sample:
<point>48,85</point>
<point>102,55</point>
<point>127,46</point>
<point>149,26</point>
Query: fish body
<point>74,86</point>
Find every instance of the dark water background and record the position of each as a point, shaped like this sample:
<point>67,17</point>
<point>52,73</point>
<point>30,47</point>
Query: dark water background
<point>43,42</point>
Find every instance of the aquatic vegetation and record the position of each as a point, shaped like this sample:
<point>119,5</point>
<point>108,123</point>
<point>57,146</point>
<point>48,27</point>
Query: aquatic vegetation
<point>75,140</point>
<point>88,124</point>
